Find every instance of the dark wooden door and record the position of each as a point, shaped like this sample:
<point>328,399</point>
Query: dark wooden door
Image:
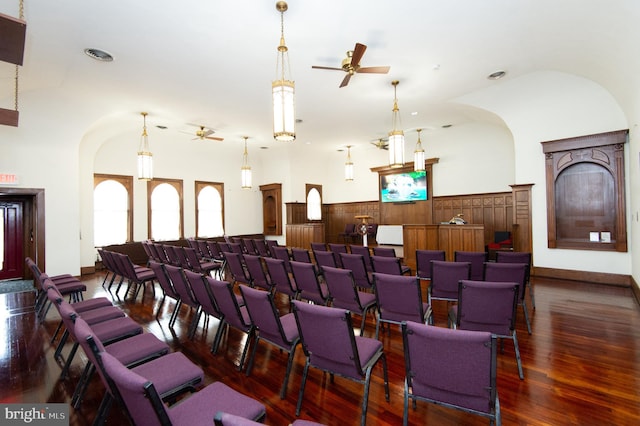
<point>11,240</point>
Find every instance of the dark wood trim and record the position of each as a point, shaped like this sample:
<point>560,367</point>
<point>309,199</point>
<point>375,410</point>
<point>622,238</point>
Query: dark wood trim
<point>178,185</point>
<point>635,288</point>
<point>584,276</point>
<point>127,182</point>
<point>198,186</point>
<point>271,208</point>
<point>13,33</point>
<point>9,117</point>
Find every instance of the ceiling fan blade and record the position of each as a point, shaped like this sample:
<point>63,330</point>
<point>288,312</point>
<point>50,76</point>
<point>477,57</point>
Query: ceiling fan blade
<point>214,138</point>
<point>326,68</point>
<point>374,70</point>
<point>345,80</point>
<point>358,51</point>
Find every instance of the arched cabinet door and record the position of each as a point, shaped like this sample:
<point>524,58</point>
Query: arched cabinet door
<point>585,192</point>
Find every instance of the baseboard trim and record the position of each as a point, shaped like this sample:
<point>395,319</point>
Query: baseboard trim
<point>585,276</point>
<point>87,270</point>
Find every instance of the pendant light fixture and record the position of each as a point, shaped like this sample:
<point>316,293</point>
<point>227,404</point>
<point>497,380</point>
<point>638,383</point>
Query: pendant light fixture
<point>283,89</point>
<point>348,166</point>
<point>145,158</point>
<point>418,155</point>
<point>245,170</point>
<point>396,137</point>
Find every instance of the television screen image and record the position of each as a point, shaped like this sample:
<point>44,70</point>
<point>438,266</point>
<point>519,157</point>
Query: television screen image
<point>403,187</point>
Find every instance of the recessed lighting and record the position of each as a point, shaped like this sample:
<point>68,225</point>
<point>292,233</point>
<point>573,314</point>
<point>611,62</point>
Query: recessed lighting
<point>98,55</point>
<point>497,75</point>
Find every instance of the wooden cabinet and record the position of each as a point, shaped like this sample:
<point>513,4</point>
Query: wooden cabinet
<point>303,234</point>
<point>449,238</point>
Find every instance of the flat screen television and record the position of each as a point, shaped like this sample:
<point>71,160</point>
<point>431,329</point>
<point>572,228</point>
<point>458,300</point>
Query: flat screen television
<point>403,187</point>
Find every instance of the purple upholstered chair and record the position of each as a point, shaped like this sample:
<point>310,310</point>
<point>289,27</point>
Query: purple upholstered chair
<point>282,253</point>
<point>399,299</point>
<point>344,293</point>
<point>488,306</point>
<point>330,345</point>
<point>197,264</point>
<point>233,315</point>
<point>430,354</point>
<point>140,396</point>
<point>386,265</point>
<point>444,279</point>
<point>235,263</point>
<point>261,247</point>
<point>309,286</point>
<point>356,264</point>
<point>226,419</point>
<point>256,271</point>
<point>318,246</point>
<point>282,282</point>
<point>337,249</point>
<point>476,259</point>
<point>519,257</point>
<point>366,254</point>
<point>391,252</point>
<point>325,258</point>
<point>167,288</point>
<point>182,287</point>
<point>203,297</point>
<point>280,331</point>
<point>300,255</point>
<point>423,262</point>
<point>512,273</point>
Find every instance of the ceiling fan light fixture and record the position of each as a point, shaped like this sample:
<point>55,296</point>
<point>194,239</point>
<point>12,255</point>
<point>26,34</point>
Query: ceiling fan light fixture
<point>348,166</point>
<point>245,170</point>
<point>283,89</point>
<point>145,157</point>
<point>396,137</point>
<point>418,155</point>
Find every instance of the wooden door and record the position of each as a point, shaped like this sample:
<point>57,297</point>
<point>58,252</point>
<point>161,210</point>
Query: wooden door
<point>11,240</point>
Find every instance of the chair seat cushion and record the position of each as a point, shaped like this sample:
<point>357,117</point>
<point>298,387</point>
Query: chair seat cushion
<point>137,349</point>
<point>116,329</point>
<point>171,373</point>
<point>90,304</point>
<point>201,407</point>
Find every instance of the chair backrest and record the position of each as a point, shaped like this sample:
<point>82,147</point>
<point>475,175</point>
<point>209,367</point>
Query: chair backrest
<point>487,306</point>
<point>172,254</point>
<point>318,246</point>
<point>384,251</point>
<point>444,279</point>
<point>280,277</point>
<point>364,252</point>
<point>342,288</point>
<point>261,247</point>
<point>282,253</point>
<point>265,316</point>
<point>337,247</point>
<point>356,263</point>
<point>235,263</point>
<point>202,293</point>
<point>235,247</point>
<point>306,278</point>
<point>227,304</point>
<point>328,339</point>
<point>456,367</point>
<point>386,265</point>
<point>214,249</point>
<point>256,272</point>
<point>372,230</point>
<point>476,259</point>
<point>226,419</point>
<point>248,246</point>
<point>271,244</point>
<point>399,297</point>
<point>92,347</point>
<point>300,255</point>
<point>325,258</point>
<point>515,257</point>
<point>193,259</point>
<point>134,390</point>
<point>203,249</point>
<point>349,228</point>
<point>163,279</point>
<point>181,285</point>
<point>507,272</point>
<point>423,262</point>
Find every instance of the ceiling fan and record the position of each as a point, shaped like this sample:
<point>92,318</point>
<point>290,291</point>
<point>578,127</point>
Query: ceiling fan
<point>204,133</point>
<point>381,143</point>
<point>351,65</point>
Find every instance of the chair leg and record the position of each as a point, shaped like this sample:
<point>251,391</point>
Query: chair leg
<point>292,354</point>
<point>57,353</point>
<point>67,365</point>
<point>302,385</point>
<point>246,347</point>
<point>82,385</point>
<point>518,360</point>
<point>103,410</point>
<point>526,315</point>
<point>405,411</point>
<point>531,295</point>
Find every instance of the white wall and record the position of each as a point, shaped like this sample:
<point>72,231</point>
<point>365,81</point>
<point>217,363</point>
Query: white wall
<point>546,106</point>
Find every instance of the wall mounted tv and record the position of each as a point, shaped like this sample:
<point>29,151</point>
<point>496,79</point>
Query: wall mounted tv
<point>403,187</point>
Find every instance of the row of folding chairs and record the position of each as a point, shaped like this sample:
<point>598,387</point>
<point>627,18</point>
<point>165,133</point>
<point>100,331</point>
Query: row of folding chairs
<point>137,369</point>
<point>120,268</point>
<point>191,257</point>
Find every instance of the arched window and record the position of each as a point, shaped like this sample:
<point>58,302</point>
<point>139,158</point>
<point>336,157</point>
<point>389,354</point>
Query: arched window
<point>314,202</point>
<point>112,215</point>
<point>165,209</point>
<point>209,209</point>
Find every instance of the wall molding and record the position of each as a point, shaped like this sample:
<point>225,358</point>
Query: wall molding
<point>586,276</point>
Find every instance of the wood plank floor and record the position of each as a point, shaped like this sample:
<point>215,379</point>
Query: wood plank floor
<point>581,364</point>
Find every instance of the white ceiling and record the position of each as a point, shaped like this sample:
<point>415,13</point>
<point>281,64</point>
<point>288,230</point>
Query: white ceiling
<point>212,62</point>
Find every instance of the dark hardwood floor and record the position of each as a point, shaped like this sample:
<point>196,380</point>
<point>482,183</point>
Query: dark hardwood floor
<point>581,364</point>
